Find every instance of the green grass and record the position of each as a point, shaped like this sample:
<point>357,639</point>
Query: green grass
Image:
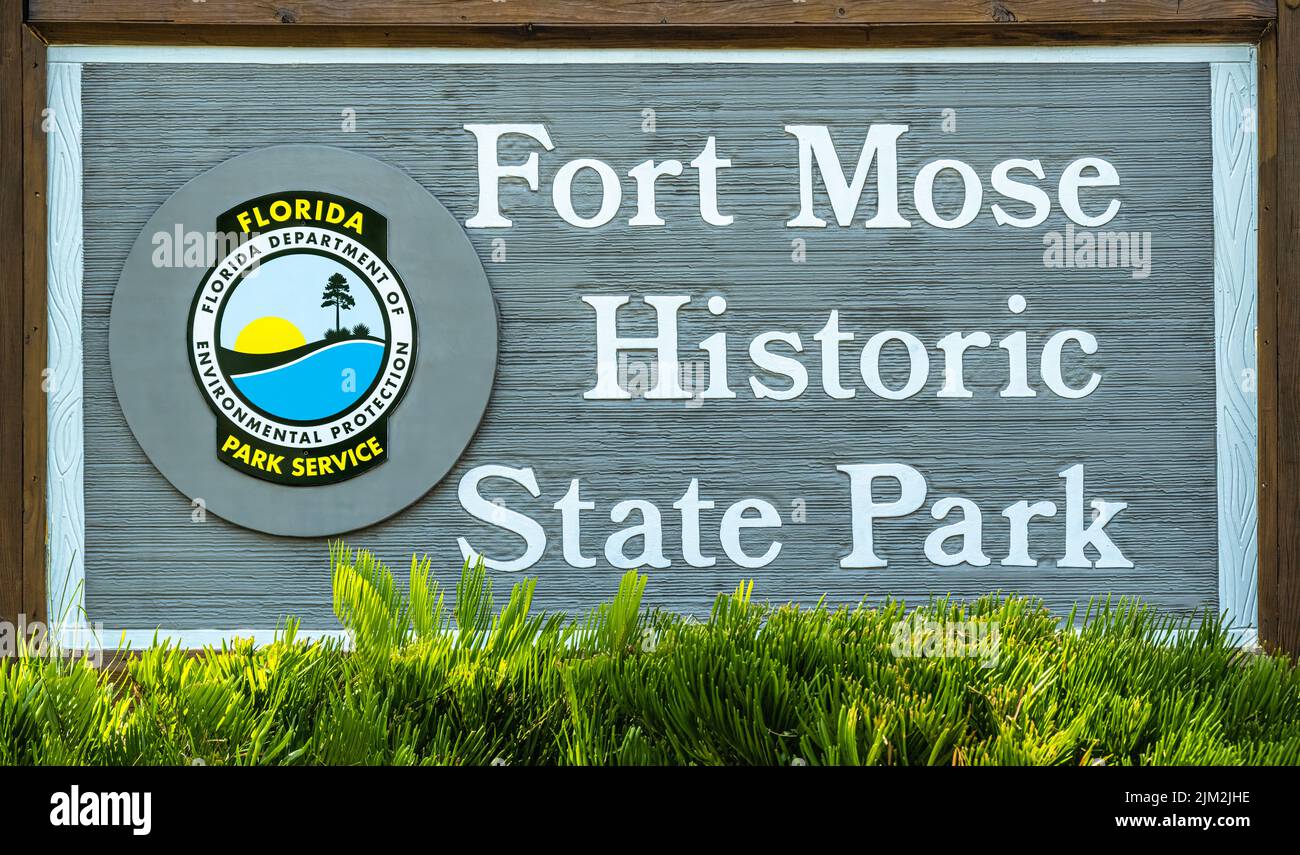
<point>442,677</point>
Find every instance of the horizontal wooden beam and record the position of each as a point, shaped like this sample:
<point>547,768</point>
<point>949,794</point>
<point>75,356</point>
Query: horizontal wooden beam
<point>1244,30</point>
<point>588,13</point>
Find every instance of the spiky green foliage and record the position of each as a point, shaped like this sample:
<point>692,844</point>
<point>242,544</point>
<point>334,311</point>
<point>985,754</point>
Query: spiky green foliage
<point>481,680</point>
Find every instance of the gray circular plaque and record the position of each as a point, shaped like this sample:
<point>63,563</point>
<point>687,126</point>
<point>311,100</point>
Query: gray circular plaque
<point>303,339</point>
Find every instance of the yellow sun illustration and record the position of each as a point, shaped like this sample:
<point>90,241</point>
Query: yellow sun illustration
<point>269,335</point>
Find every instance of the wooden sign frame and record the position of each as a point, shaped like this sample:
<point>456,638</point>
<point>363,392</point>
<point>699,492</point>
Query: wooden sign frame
<point>26,30</point>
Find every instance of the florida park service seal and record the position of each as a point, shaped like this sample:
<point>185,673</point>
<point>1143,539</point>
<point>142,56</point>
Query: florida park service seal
<point>317,351</point>
<point>301,397</point>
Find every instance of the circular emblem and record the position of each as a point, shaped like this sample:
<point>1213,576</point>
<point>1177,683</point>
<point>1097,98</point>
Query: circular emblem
<point>314,315</point>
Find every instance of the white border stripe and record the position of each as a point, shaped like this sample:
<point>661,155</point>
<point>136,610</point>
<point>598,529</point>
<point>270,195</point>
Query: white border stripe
<point>65,448</point>
<point>194,639</point>
<point>536,56</point>
<point>1236,226</point>
<point>301,358</point>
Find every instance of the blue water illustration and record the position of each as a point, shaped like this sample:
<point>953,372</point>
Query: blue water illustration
<point>317,385</point>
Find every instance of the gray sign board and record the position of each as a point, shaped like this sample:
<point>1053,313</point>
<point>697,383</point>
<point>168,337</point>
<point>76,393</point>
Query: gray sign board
<point>1075,427</point>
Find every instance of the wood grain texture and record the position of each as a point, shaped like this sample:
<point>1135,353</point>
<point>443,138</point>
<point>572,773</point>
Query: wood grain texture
<point>144,139</point>
<point>631,12</point>
<point>11,312</point>
<point>532,36</point>
<point>1284,598</point>
<point>34,327</point>
<point>1270,515</point>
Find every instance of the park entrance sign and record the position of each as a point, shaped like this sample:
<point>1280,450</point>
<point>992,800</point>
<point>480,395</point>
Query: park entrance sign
<point>849,323</point>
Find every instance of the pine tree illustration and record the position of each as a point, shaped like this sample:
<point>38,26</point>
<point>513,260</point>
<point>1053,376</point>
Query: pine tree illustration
<point>339,295</point>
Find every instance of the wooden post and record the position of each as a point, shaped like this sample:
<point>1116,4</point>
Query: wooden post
<point>22,320</point>
<point>35,354</point>
<point>1279,594</point>
<point>11,313</point>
